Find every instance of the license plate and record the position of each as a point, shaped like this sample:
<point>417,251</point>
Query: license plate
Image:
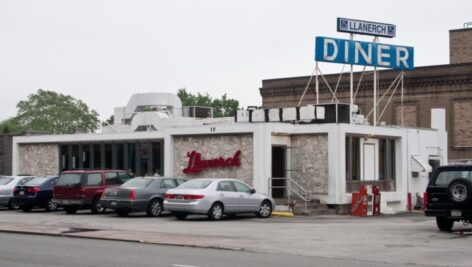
<point>179,197</point>
<point>456,213</point>
<point>113,203</point>
<point>21,193</point>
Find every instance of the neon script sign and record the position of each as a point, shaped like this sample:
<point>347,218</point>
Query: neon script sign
<point>196,164</point>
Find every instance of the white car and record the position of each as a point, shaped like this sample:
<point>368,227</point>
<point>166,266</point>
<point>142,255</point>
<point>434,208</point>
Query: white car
<point>216,197</point>
<point>7,185</point>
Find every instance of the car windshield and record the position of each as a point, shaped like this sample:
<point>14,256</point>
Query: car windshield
<point>36,181</point>
<point>138,182</point>
<point>195,184</point>
<point>5,180</point>
<point>445,177</point>
<point>69,179</point>
<point>25,180</point>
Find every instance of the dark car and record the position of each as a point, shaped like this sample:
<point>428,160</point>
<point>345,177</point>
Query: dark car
<point>82,189</point>
<point>449,196</point>
<point>139,194</point>
<point>36,193</point>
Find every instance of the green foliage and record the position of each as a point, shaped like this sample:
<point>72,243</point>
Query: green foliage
<point>55,113</point>
<point>110,120</point>
<point>10,126</point>
<point>222,107</point>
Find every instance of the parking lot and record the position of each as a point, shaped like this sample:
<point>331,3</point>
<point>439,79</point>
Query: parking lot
<point>408,238</point>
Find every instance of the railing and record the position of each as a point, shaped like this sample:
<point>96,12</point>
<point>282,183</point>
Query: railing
<point>292,188</point>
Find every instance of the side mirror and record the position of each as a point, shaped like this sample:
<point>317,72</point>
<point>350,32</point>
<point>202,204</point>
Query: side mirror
<point>253,191</point>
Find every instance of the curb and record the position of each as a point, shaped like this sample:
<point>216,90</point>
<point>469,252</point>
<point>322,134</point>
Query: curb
<point>282,214</point>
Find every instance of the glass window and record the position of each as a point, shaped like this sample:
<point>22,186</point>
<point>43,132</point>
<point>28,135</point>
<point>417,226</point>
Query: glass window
<point>85,156</point>
<point>195,184</point>
<point>108,156</point>
<point>5,180</point>
<point>445,177</point>
<point>97,156</point>
<point>112,178</point>
<point>226,186</point>
<point>25,180</point>
<point>180,181</point>
<point>240,187</point>
<point>120,164</point>
<point>138,183</point>
<point>124,177</point>
<point>68,179</point>
<point>94,179</point>
<point>36,181</point>
<point>167,183</point>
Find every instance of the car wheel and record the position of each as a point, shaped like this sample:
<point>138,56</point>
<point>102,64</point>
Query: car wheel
<point>96,207</point>
<point>216,212</point>
<point>154,208</point>
<point>265,210</point>
<point>51,206</point>
<point>122,213</point>
<point>459,191</point>
<point>71,209</point>
<point>12,205</point>
<point>180,215</point>
<point>444,224</point>
<point>26,208</point>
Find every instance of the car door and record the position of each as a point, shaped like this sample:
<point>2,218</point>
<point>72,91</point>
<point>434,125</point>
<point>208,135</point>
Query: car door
<point>226,193</point>
<point>247,201</point>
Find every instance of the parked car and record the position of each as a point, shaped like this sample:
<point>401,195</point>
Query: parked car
<point>7,185</point>
<point>35,193</point>
<point>448,196</point>
<point>82,189</point>
<point>139,194</point>
<point>215,197</point>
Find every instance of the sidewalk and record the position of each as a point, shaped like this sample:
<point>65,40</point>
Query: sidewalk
<point>404,238</point>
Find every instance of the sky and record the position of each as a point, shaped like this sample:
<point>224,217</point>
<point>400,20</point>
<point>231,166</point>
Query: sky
<point>103,51</point>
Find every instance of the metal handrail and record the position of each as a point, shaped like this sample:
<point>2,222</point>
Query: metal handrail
<point>305,195</point>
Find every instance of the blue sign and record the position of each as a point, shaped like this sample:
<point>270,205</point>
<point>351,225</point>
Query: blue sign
<point>366,27</point>
<point>364,53</point>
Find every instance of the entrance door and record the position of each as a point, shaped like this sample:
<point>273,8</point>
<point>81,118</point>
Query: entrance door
<point>370,159</point>
<point>279,171</point>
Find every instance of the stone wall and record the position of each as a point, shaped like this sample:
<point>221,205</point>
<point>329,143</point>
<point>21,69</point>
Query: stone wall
<point>39,159</point>
<point>214,146</point>
<point>310,162</point>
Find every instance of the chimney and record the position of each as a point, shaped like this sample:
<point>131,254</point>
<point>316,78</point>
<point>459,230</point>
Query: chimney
<point>460,45</point>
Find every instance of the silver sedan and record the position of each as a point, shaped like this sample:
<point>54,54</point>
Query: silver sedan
<point>215,197</point>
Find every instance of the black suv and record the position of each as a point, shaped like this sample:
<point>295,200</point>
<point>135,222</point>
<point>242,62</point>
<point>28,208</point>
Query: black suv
<point>449,196</point>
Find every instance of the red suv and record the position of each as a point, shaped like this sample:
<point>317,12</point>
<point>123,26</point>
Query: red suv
<point>79,189</point>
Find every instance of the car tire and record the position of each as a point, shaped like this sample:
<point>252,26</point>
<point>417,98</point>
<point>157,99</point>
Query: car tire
<point>154,208</point>
<point>13,205</point>
<point>96,207</point>
<point>459,191</point>
<point>51,206</point>
<point>26,208</point>
<point>265,210</point>
<point>216,212</point>
<point>122,213</point>
<point>180,215</point>
<point>444,224</point>
<point>71,209</point>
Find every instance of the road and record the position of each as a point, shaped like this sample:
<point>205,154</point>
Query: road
<point>19,250</point>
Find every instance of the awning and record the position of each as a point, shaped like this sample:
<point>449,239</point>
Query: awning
<point>420,165</point>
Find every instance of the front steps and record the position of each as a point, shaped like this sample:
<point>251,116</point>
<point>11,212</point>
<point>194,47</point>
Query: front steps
<point>297,206</point>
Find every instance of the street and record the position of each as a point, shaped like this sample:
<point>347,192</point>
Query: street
<point>19,250</point>
<point>402,239</point>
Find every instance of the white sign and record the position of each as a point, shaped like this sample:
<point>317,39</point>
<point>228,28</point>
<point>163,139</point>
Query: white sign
<point>366,27</point>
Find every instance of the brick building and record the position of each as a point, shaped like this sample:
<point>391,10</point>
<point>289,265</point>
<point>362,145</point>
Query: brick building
<point>448,86</point>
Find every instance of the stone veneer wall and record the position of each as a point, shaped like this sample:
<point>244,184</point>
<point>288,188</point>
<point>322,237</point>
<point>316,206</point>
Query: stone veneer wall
<point>39,159</point>
<point>310,162</point>
<point>213,146</point>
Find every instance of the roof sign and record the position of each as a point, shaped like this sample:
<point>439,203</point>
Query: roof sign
<point>366,27</point>
<point>364,53</point>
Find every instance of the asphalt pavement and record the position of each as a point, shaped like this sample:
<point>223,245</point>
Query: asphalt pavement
<point>402,239</point>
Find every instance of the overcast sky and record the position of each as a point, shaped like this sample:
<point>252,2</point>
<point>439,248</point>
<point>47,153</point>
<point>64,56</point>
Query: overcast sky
<point>103,51</point>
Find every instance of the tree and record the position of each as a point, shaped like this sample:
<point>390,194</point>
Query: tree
<point>10,126</point>
<point>110,120</point>
<point>55,113</point>
<point>223,107</point>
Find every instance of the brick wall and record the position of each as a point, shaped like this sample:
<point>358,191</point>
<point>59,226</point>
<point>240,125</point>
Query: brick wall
<point>460,46</point>
<point>6,154</point>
